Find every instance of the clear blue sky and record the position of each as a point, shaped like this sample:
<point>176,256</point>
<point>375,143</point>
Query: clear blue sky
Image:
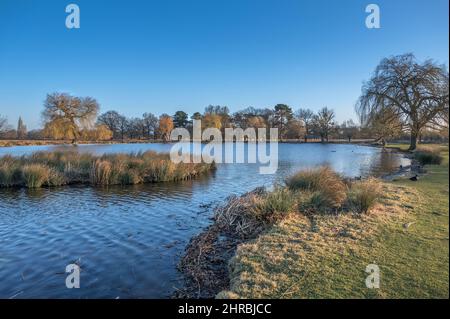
<point>162,56</point>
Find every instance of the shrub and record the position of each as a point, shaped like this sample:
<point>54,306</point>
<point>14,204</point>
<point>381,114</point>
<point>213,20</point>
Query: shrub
<point>363,195</point>
<point>321,180</point>
<point>274,205</point>
<point>318,201</point>
<point>35,175</point>
<point>427,155</point>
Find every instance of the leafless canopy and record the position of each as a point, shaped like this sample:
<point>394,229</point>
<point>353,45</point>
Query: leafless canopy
<point>415,93</point>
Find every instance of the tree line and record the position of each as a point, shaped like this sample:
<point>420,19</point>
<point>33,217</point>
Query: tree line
<point>403,97</point>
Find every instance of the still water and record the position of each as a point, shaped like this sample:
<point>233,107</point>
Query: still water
<point>128,240</point>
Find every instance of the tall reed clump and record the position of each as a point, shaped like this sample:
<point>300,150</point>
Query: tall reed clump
<point>101,173</point>
<point>275,205</point>
<point>324,188</point>
<point>35,175</point>
<point>60,168</point>
<point>247,215</point>
<point>10,174</point>
<point>363,195</point>
<point>427,155</point>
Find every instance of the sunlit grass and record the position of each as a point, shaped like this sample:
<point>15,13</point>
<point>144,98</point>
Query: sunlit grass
<point>406,235</point>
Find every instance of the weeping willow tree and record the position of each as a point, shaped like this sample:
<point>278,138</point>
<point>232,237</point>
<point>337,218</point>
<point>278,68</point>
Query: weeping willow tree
<point>403,89</point>
<point>65,116</point>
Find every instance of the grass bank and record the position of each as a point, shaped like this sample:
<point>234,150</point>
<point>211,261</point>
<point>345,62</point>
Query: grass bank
<point>46,169</point>
<point>320,245</point>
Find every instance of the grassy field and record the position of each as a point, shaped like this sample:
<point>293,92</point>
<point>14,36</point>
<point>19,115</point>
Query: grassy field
<point>406,235</point>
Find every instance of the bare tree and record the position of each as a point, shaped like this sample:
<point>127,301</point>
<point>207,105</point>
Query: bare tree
<point>323,123</point>
<point>416,93</point>
<point>3,124</point>
<point>112,120</point>
<point>136,128</point>
<point>150,121</point>
<point>122,125</point>
<point>349,129</point>
<point>305,116</point>
<point>66,115</point>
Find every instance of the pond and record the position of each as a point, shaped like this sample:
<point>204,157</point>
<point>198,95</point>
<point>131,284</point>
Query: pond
<point>128,240</point>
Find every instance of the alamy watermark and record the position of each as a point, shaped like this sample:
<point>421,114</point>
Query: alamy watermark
<point>373,20</point>
<point>73,279</point>
<point>373,279</point>
<point>258,143</point>
<point>73,19</point>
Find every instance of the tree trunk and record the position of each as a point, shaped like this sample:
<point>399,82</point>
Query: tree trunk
<point>413,143</point>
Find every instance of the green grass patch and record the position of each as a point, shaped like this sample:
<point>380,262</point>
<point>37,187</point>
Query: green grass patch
<point>325,256</point>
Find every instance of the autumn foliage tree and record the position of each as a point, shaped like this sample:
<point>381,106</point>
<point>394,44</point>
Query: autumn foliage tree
<point>165,126</point>
<point>211,120</point>
<point>65,115</point>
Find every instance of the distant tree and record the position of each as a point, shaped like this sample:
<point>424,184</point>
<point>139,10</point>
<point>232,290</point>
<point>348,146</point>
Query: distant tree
<point>180,119</point>
<point>66,115</point>
<point>196,116</point>
<point>111,119</point>
<point>211,121</point>
<point>281,116</point>
<point>221,112</point>
<point>323,123</point>
<point>306,116</point>
<point>416,93</point>
<point>4,126</point>
<point>136,128</point>
<point>165,126</point>
<point>103,133</point>
<point>150,122</point>
<point>256,122</point>
<point>99,133</point>
<point>6,130</point>
<point>122,126</point>
<point>295,129</point>
<point>349,129</point>
<point>21,129</point>
<point>246,118</point>
<point>239,119</point>
<point>35,134</point>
